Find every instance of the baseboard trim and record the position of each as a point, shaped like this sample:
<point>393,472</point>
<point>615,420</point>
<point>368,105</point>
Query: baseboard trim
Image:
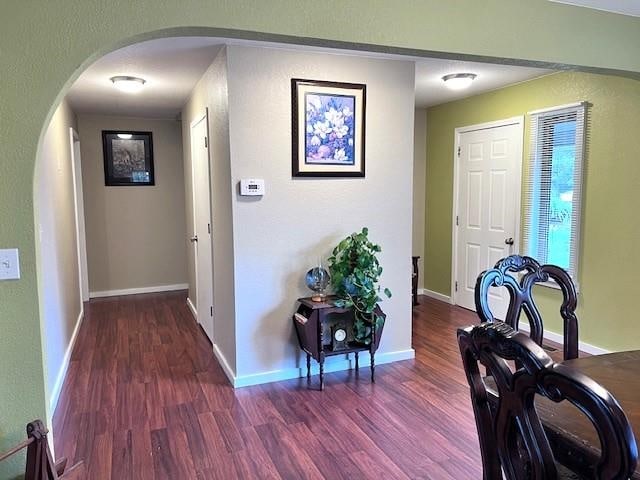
<point>437,295</point>
<point>192,307</point>
<point>62,372</point>
<point>136,291</point>
<point>589,348</point>
<point>333,364</point>
<point>558,338</point>
<point>224,364</point>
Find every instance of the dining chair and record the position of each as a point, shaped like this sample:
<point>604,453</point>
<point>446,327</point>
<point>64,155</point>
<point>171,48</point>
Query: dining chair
<point>512,438</point>
<point>530,272</point>
<point>39,462</point>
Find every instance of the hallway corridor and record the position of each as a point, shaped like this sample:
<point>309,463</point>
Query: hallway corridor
<point>146,399</point>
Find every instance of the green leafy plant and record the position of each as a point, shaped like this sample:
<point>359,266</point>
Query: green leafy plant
<point>355,271</point>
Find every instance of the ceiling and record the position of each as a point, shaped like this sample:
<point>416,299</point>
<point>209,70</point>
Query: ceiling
<point>430,89</point>
<point>623,7</point>
<point>172,67</point>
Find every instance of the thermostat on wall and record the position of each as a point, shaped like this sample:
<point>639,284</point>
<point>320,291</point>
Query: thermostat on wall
<point>252,186</point>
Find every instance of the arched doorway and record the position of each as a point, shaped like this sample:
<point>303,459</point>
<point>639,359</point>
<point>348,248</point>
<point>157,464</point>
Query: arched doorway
<point>42,69</point>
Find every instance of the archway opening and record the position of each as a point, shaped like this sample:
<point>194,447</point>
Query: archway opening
<point>230,200</point>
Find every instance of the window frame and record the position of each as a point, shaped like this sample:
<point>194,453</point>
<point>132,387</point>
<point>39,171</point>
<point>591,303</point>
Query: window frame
<point>538,184</point>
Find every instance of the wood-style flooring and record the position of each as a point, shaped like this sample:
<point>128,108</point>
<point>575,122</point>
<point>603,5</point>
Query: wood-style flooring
<point>145,398</point>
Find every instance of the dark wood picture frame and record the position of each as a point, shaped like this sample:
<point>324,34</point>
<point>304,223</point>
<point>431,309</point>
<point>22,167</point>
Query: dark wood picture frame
<point>335,145</point>
<point>128,158</point>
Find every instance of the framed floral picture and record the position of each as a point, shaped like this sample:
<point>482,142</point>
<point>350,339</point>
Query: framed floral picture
<point>128,158</point>
<point>328,126</point>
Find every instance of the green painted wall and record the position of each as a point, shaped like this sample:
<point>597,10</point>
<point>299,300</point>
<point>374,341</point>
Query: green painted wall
<point>45,45</point>
<point>608,268</point>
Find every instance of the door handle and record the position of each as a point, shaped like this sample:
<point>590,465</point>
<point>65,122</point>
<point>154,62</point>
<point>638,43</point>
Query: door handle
<point>508,241</point>
<point>193,239</point>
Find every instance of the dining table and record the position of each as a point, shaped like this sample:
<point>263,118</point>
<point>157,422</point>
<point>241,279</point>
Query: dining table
<point>572,436</point>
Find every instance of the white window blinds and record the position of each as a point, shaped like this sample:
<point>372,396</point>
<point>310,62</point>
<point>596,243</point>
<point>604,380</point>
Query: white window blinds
<point>553,186</point>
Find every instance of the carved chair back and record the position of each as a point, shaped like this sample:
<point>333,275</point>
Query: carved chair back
<point>512,438</point>
<point>39,463</point>
<point>521,299</point>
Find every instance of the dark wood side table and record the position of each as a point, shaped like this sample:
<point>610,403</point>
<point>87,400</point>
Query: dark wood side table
<point>414,280</point>
<point>314,335</point>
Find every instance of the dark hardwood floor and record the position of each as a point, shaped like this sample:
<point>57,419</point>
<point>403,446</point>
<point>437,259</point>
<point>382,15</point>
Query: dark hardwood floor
<point>145,398</point>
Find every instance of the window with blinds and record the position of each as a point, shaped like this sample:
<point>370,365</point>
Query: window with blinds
<point>553,186</point>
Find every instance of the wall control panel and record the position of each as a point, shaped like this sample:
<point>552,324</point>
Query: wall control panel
<point>9,264</point>
<point>252,187</point>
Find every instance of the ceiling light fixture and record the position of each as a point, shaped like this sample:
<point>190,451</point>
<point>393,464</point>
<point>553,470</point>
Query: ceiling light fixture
<point>128,84</point>
<point>459,81</point>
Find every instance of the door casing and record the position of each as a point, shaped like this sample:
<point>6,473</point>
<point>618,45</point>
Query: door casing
<point>78,199</point>
<point>518,121</point>
<point>200,315</point>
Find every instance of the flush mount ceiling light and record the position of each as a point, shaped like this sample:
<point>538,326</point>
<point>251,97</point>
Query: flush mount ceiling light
<point>128,84</point>
<point>458,81</point>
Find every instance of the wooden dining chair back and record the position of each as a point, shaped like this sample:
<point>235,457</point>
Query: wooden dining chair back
<point>521,297</point>
<point>39,463</point>
<point>512,438</point>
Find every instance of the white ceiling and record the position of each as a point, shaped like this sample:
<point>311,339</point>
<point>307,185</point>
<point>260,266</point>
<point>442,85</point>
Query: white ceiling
<point>430,89</point>
<point>623,7</point>
<point>172,67</point>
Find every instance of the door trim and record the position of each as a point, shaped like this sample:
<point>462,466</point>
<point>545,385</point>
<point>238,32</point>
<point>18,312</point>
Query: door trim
<point>81,235</point>
<point>204,116</point>
<point>518,121</point>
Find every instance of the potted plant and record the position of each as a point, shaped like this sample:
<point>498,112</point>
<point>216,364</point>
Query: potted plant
<point>355,271</point>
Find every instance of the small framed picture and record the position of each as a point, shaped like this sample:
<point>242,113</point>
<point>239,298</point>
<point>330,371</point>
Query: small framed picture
<point>328,127</point>
<point>128,158</point>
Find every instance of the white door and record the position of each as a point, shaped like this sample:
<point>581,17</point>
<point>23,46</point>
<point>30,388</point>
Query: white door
<point>489,164</point>
<point>78,198</point>
<point>201,238</point>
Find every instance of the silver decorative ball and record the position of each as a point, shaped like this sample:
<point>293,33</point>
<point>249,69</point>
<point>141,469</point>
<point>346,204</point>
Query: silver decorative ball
<point>317,279</point>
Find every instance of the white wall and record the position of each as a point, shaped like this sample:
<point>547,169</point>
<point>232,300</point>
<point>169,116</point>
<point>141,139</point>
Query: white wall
<point>211,93</point>
<point>419,181</point>
<point>136,236</point>
<point>56,247</point>
<point>278,237</point>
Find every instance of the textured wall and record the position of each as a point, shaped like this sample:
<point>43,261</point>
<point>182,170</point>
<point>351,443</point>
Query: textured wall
<point>136,236</point>
<point>45,48</point>
<point>211,93</point>
<point>607,308</point>
<point>56,244</point>
<point>281,235</point>
<point>419,182</point>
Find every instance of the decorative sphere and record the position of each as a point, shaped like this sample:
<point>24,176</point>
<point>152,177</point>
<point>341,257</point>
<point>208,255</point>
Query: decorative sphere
<point>317,279</point>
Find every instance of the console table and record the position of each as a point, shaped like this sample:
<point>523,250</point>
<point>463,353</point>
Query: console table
<point>314,331</point>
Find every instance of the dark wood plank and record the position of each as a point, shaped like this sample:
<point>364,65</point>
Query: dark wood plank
<point>145,398</point>
<point>164,464</point>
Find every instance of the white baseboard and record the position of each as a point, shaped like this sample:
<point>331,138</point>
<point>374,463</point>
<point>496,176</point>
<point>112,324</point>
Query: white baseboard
<point>62,372</point>
<point>438,296</point>
<point>192,307</point>
<point>589,348</point>
<point>135,291</point>
<point>558,338</point>
<point>330,365</point>
<point>224,364</point>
